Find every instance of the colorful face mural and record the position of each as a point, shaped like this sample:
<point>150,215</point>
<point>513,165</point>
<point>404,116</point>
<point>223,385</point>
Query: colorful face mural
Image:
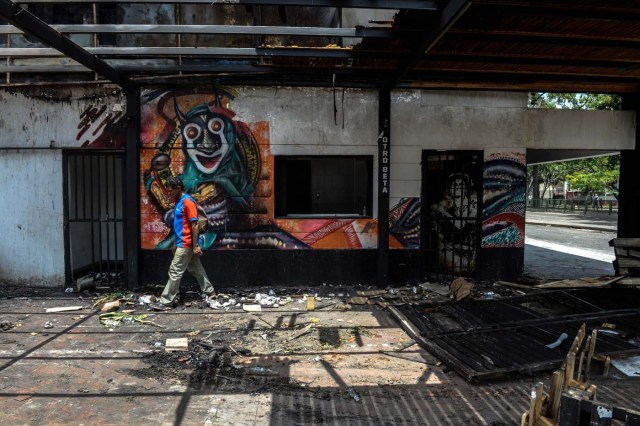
<point>226,165</point>
<point>504,200</point>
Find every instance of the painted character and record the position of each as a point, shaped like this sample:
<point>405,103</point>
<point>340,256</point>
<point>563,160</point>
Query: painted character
<point>221,167</point>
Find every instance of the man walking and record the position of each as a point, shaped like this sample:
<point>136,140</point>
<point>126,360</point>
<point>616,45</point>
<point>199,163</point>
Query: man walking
<point>186,249</point>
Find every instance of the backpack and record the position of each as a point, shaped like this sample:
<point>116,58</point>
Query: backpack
<point>203,220</point>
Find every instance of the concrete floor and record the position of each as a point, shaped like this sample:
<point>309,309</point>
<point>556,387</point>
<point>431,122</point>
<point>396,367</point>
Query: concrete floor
<point>81,372</point>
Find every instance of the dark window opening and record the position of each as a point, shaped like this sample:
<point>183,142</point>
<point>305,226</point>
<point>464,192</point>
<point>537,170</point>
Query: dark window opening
<point>323,186</point>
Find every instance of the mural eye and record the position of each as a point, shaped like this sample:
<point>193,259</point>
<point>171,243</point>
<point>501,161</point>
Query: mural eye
<point>192,131</point>
<point>215,125</point>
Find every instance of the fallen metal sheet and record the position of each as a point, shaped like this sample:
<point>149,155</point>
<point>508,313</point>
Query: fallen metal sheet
<point>484,340</point>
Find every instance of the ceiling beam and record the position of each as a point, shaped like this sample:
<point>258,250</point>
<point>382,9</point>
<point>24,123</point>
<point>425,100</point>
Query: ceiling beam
<point>425,5</point>
<point>220,29</point>
<point>448,16</point>
<point>221,52</point>
<point>32,25</point>
<point>603,11</point>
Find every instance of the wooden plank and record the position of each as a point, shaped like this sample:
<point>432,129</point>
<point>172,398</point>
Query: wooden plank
<point>620,251</point>
<point>580,283</point>
<point>557,386</point>
<point>628,262</point>
<point>591,348</point>
<point>515,285</point>
<point>624,242</point>
<point>629,281</point>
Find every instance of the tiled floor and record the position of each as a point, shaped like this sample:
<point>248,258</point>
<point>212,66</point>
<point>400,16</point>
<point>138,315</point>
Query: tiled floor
<point>81,372</point>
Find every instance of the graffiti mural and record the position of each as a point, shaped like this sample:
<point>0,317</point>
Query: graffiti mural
<point>404,222</point>
<point>504,176</point>
<point>226,165</point>
<point>100,128</point>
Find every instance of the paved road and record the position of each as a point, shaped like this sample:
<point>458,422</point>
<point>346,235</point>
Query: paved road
<point>557,252</point>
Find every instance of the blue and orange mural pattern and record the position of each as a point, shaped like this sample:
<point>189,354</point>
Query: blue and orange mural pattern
<point>504,183</point>
<point>227,166</point>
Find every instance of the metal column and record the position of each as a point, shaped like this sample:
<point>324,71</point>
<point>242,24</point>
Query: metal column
<point>628,188</point>
<point>132,190</point>
<point>384,170</point>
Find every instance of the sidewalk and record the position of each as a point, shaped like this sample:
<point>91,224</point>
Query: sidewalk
<point>597,221</point>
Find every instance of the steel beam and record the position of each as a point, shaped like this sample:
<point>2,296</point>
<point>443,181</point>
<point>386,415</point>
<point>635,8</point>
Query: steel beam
<point>358,4</point>
<point>163,52</point>
<point>220,29</point>
<point>32,25</point>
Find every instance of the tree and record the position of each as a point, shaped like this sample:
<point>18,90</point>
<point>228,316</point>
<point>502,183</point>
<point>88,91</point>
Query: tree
<point>551,174</point>
<point>600,101</point>
<point>595,175</point>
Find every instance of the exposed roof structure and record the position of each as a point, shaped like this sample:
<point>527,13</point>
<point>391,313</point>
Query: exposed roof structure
<point>542,45</point>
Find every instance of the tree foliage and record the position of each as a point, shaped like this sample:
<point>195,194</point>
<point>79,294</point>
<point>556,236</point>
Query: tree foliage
<point>595,175</point>
<point>587,175</point>
<point>575,101</point>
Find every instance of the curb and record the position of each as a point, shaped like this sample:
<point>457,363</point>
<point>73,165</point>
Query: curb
<point>569,225</point>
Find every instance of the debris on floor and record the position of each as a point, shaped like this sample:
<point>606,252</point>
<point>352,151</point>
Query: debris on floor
<point>629,366</point>
<point>488,339</point>
<point>64,309</point>
<point>571,391</point>
<point>461,289</point>
<point>116,319</point>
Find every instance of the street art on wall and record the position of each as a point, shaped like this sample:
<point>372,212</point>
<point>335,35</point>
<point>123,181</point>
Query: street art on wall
<point>101,128</point>
<point>453,224</point>
<point>404,222</point>
<point>504,176</point>
<point>227,166</point>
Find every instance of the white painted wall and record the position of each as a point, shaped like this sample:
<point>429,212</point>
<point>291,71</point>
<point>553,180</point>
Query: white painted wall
<point>31,217</point>
<point>35,123</point>
<point>41,117</point>
<point>301,121</point>
<point>479,120</point>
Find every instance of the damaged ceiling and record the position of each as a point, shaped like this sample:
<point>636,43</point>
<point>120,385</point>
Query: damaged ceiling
<point>543,45</point>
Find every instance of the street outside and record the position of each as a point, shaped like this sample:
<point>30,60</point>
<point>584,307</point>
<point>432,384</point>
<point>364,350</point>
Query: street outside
<point>562,246</point>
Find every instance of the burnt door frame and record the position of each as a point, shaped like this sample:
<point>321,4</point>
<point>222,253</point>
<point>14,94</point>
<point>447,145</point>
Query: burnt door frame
<point>85,211</point>
<point>433,193</point>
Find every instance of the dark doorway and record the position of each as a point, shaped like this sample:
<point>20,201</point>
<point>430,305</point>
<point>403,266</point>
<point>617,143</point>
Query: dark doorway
<point>451,194</point>
<point>93,216</point>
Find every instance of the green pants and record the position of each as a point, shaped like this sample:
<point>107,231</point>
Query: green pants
<point>184,260</point>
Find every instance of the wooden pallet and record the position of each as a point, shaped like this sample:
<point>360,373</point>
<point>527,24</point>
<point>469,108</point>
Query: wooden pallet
<point>627,251</point>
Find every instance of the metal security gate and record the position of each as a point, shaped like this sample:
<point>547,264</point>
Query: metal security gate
<point>450,214</point>
<point>93,216</point>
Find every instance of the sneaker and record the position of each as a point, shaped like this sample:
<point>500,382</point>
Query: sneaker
<point>212,293</point>
<point>158,306</point>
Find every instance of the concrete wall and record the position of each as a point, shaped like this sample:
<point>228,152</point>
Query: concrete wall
<point>35,124</point>
<point>32,244</point>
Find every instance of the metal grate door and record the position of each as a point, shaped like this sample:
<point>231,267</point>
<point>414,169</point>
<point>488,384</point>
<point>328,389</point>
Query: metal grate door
<point>451,194</point>
<point>94,226</point>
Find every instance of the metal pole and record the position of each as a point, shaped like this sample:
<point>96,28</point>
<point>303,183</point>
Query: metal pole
<point>131,188</point>
<point>384,173</point>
